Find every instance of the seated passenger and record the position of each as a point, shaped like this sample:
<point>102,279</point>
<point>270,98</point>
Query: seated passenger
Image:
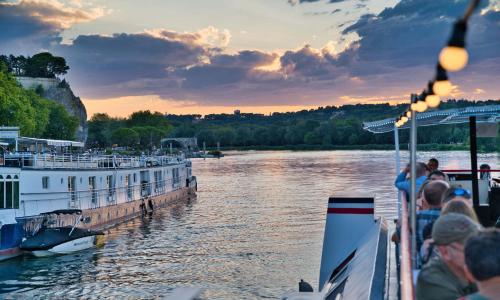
<point>420,196</point>
<point>433,164</point>
<point>432,195</point>
<point>457,193</point>
<point>455,206</point>
<point>443,277</point>
<point>437,175</point>
<point>460,206</point>
<point>482,264</point>
<point>404,185</point>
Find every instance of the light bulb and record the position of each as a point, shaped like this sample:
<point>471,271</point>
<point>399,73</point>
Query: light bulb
<point>413,106</point>
<point>404,119</point>
<point>421,106</point>
<point>408,114</point>
<point>397,124</point>
<point>453,58</point>
<point>442,87</point>
<point>432,100</point>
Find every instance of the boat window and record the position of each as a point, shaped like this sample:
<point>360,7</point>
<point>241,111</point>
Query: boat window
<point>110,184</point>
<point>81,180</point>
<point>16,193</point>
<point>135,177</point>
<point>62,180</point>
<point>45,182</point>
<point>9,192</point>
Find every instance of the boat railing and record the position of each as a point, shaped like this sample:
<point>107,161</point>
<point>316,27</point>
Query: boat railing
<point>406,272</point>
<point>79,161</point>
<point>95,198</point>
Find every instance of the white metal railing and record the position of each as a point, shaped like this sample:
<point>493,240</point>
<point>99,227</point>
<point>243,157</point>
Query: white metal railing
<point>95,198</point>
<point>70,161</point>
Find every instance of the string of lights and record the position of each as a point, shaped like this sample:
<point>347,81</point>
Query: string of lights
<point>452,58</point>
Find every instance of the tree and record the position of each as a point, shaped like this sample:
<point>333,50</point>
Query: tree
<point>45,65</point>
<point>206,136</point>
<point>125,137</point>
<point>147,118</point>
<point>225,136</point>
<point>36,116</point>
<point>61,124</point>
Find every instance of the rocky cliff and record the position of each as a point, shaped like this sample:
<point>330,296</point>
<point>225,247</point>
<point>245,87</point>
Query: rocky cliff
<point>60,92</point>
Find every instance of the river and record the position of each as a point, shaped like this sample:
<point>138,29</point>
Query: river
<point>253,232</point>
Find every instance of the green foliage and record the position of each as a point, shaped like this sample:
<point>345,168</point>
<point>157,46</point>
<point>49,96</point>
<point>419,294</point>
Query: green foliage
<point>39,65</point>
<point>61,125</point>
<point>125,137</point>
<point>323,128</point>
<point>142,129</point>
<point>36,116</point>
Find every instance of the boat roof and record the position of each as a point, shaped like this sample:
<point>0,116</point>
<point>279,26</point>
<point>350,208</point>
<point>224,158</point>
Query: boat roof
<point>49,142</point>
<point>483,114</point>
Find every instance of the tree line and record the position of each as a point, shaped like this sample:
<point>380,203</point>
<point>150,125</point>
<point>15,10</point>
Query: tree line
<point>39,65</point>
<point>322,128</point>
<point>36,116</point>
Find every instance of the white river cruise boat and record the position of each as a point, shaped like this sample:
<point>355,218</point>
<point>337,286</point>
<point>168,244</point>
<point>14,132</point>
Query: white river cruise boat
<point>107,189</point>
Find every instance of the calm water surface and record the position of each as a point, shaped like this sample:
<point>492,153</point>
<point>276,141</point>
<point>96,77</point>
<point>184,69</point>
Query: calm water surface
<point>253,232</point>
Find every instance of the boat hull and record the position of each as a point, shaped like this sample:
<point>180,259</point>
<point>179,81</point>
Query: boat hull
<point>68,247</point>
<point>9,253</point>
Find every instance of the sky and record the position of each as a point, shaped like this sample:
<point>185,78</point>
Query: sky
<point>262,56</point>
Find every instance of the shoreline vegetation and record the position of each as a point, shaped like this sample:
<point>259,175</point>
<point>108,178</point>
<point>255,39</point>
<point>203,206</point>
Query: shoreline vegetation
<point>324,128</point>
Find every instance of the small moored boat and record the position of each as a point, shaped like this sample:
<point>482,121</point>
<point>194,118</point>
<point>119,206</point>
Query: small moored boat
<point>60,240</point>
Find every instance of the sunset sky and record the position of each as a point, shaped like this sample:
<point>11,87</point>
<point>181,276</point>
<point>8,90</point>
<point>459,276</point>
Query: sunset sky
<point>199,56</point>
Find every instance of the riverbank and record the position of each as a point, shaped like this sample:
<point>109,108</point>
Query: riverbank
<point>304,147</point>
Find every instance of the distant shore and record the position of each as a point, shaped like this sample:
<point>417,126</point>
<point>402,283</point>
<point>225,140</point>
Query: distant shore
<point>422,147</point>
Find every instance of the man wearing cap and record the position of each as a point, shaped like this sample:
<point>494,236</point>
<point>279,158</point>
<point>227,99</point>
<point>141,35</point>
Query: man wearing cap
<point>443,277</point>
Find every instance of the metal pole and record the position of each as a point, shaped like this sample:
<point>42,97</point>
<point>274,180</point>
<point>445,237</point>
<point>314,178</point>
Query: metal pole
<point>398,165</point>
<point>473,162</point>
<point>413,180</point>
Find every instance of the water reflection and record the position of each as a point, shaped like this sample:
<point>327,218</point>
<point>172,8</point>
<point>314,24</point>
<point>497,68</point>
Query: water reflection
<point>254,230</point>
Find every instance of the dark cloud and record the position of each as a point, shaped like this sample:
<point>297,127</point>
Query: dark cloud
<point>413,32</point>
<point>30,25</point>
<point>124,58</point>
<point>397,50</point>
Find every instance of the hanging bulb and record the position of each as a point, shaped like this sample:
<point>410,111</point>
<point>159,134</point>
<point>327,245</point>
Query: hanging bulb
<point>431,99</point>
<point>408,114</point>
<point>404,119</point>
<point>442,86</point>
<point>421,106</point>
<point>413,106</point>
<point>454,57</point>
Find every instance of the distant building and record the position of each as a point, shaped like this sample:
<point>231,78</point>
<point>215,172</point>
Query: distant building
<point>237,112</point>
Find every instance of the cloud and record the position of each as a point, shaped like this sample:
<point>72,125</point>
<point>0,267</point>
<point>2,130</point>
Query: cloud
<point>37,24</point>
<point>478,91</point>
<point>209,36</point>
<point>389,53</point>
